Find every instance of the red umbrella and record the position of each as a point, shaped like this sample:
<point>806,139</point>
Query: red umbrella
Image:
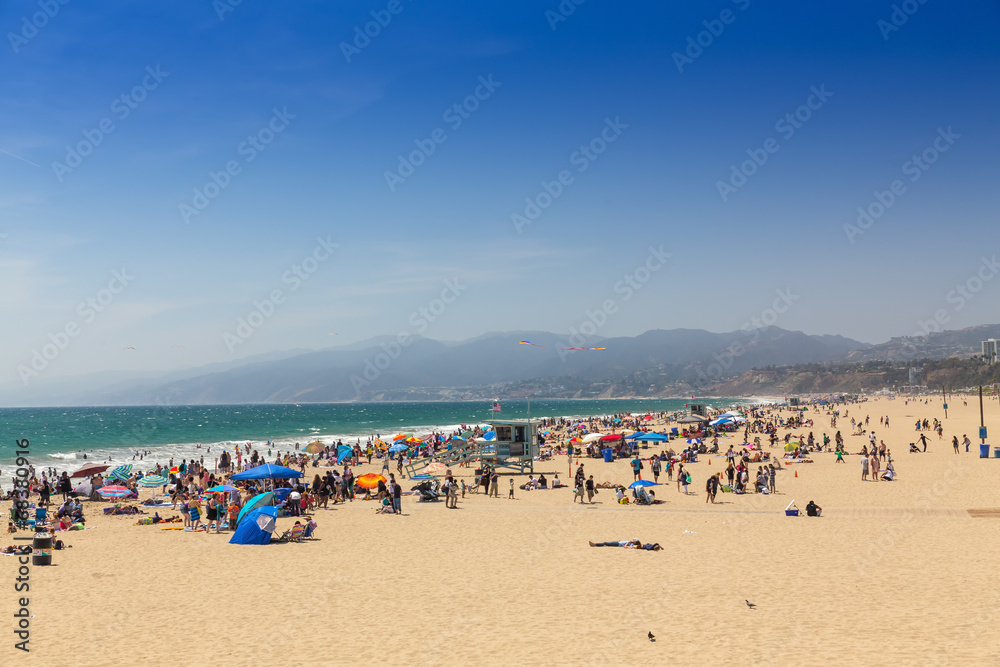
<point>89,469</point>
<point>612,436</point>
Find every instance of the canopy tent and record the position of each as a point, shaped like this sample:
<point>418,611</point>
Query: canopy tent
<point>648,437</point>
<point>268,471</point>
<point>257,528</point>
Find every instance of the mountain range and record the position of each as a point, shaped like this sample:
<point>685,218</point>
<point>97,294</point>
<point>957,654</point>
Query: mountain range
<point>656,362</point>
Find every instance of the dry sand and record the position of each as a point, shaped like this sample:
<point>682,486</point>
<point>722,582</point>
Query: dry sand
<point>894,573</point>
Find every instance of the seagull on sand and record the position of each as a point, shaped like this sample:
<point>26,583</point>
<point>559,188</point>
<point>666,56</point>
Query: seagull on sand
<point>750,604</point>
<point>651,637</point>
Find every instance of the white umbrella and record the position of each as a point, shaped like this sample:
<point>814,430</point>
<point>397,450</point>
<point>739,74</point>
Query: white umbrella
<point>590,437</point>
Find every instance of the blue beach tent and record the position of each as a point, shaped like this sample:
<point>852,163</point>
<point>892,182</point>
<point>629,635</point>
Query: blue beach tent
<point>257,527</point>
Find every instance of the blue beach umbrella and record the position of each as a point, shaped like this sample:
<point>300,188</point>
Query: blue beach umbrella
<point>693,441</point>
<point>398,447</point>
<point>489,435</point>
<point>221,488</point>
<point>641,482</point>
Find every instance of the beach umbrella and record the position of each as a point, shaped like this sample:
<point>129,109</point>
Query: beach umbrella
<point>489,435</point>
<point>344,452</point>
<point>222,488</point>
<point>641,482</point>
<point>720,420</point>
<point>468,434</point>
<point>693,441</point>
<point>369,480</point>
<point>401,436</point>
<point>590,437</point>
<point>89,469</point>
<point>150,481</point>
<point>647,418</point>
<point>691,419</point>
<point>609,437</point>
<point>314,447</point>
<point>113,492</point>
<point>398,447</point>
<point>121,472</point>
<point>435,467</point>
<point>260,500</point>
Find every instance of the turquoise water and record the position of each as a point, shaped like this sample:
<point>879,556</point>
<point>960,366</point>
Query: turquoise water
<point>61,436</point>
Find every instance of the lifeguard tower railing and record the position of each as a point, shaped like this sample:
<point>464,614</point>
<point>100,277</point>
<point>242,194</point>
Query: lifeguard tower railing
<point>514,448</point>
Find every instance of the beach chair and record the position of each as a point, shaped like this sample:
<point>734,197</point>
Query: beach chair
<point>298,532</point>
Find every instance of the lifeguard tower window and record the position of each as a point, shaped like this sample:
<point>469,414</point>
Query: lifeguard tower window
<point>503,433</point>
<point>519,434</point>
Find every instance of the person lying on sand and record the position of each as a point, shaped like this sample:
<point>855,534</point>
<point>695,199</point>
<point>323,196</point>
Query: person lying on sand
<point>634,543</point>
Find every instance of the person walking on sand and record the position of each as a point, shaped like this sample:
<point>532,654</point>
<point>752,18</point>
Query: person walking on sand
<point>864,468</point>
<point>654,467</point>
<point>680,476</point>
<point>954,443</point>
<point>711,488</point>
<point>636,468</point>
<point>966,442</point>
<point>590,489</point>
<point>510,494</point>
<point>923,440</point>
<point>495,484</point>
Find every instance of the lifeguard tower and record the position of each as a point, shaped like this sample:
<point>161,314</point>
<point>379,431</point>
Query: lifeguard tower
<point>514,448</point>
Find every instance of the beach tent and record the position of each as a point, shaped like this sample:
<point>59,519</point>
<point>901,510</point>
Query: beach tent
<point>267,471</point>
<point>257,528</point>
<point>260,500</point>
<point>344,452</point>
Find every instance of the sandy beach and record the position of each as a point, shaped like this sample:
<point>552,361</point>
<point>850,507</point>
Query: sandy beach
<point>892,573</point>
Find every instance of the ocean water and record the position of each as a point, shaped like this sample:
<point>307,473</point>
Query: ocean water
<point>64,438</point>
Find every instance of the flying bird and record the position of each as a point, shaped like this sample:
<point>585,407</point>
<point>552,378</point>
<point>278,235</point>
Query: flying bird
<point>651,637</point>
<point>130,348</point>
<point>751,604</point>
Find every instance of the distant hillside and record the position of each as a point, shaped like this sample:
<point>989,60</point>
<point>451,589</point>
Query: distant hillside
<point>961,343</point>
<point>642,365</point>
<point>953,374</point>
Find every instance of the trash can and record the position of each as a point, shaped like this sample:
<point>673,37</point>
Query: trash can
<point>609,455</point>
<point>984,451</point>
<point>996,452</point>
<point>41,547</point>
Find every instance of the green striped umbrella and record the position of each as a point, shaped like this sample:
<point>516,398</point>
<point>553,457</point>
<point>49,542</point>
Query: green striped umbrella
<point>153,480</point>
<point>121,473</point>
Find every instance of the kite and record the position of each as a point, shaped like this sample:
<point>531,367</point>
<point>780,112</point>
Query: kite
<point>528,342</point>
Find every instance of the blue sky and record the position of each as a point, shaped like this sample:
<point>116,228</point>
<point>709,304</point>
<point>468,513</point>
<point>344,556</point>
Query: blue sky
<point>343,125</point>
